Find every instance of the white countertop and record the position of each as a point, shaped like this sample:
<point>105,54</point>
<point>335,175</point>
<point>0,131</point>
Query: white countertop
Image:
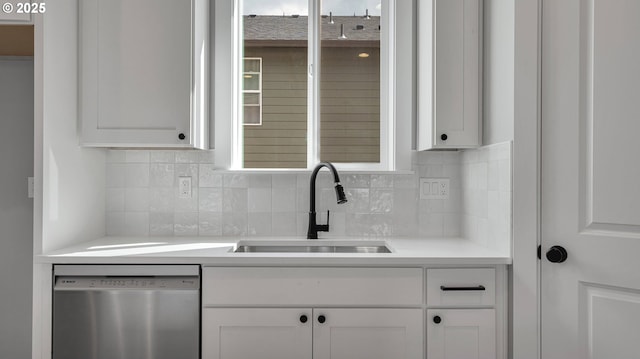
<point>219,252</point>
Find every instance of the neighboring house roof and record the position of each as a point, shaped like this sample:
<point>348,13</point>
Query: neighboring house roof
<point>292,30</point>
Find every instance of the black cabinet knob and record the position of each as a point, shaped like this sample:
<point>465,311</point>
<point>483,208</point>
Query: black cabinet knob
<point>303,318</point>
<point>444,136</point>
<point>437,319</point>
<point>557,254</point>
<point>321,319</point>
<point>182,136</point>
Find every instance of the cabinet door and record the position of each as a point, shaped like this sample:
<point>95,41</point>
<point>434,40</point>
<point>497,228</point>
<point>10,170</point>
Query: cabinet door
<point>137,72</point>
<point>461,334</point>
<point>256,333</point>
<point>449,104</point>
<point>368,334</point>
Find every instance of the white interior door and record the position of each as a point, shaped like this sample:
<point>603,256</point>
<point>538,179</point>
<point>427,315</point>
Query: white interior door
<point>591,178</point>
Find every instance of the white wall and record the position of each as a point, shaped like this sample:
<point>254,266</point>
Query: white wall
<point>16,210</point>
<point>73,208</point>
<point>70,199</point>
<point>499,52</point>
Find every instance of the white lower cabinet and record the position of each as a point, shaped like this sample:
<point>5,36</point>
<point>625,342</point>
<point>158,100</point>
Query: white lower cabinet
<point>461,334</point>
<point>368,333</point>
<point>353,313</point>
<point>464,308</point>
<point>298,333</point>
<point>265,333</point>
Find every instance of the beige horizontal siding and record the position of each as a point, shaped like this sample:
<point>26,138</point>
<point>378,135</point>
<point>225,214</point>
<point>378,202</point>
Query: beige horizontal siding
<point>350,105</point>
<point>281,140</point>
<point>350,108</point>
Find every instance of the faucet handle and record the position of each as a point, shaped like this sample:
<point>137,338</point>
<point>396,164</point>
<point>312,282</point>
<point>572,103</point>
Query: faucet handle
<point>323,227</point>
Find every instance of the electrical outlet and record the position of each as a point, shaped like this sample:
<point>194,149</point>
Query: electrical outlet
<point>434,188</point>
<point>184,187</point>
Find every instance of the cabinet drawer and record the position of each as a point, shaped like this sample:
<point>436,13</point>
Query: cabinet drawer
<point>311,286</point>
<point>468,287</point>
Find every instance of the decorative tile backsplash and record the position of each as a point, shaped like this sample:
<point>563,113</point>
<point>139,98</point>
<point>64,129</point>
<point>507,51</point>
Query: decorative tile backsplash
<point>143,198</point>
<point>486,202</point>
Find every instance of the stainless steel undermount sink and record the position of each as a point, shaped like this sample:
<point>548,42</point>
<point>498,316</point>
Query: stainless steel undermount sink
<point>312,247</point>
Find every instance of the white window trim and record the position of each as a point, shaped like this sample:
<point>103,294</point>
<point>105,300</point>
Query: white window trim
<point>258,91</point>
<point>396,114</point>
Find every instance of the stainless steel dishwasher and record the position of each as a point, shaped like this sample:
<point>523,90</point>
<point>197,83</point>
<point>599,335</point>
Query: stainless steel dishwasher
<point>126,312</point>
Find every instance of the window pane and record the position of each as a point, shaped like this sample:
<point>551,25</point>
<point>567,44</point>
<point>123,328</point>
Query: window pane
<point>251,115</point>
<point>252,65</point>
<point>350,82</point>
<point>251,82</point>
<point>251,99</point>
<point>281,42</point>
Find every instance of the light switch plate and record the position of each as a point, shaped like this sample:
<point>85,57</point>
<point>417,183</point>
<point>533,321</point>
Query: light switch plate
<point>434,188</point>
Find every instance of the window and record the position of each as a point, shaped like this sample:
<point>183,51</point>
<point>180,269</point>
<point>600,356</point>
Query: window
<point>252,91</point>
<point>328,84</point>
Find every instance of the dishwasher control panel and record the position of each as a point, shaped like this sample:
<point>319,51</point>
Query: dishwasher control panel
<point>164,282</point>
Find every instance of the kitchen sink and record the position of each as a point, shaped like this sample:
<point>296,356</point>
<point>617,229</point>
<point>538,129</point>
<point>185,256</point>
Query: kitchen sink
<point>312,247</point>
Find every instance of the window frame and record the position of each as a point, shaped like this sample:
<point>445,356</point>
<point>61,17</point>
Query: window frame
<point>397,93</point>
<point>258,92</point>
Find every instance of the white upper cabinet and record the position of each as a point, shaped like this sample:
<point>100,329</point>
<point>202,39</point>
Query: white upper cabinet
<point>144,73</point>
<point>449,74</point>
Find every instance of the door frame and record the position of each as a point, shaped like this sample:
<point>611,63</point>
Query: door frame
<point>525,278</point>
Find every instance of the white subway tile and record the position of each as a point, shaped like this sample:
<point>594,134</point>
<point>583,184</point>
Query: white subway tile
<point>160,224</point>
<point>358,200</point>
<point>210,200</point>
<point>187,156</point>
<point>162,157</point>
<point>234,200</point>
<point>161,175</point>
<point>115,199</point>
<point>381,200</point>
<point>137,175</point>
<point>259,200</point>
<point>185,224</point>
<point>136,223</point>
<point>234,223</point>
<point>136,199</point>
<point>259,224</point>
<point>283,223</point>
<point>210,224</point>
<point>405,181</point>
<point>235,180</point>
<point>284,180</point>
<point>209,177</point>
<point>206,156</point>
<point>283,199</point>
<point>431,225</point>
<point>116,174</point>
<point>259,180</point>
<point>355,181</point>
<point>161,199</point>
<point>381,181</point>
<point>137,156</point>
<point>116,156</point>
<point>115,223</point>
<point>188,204</point>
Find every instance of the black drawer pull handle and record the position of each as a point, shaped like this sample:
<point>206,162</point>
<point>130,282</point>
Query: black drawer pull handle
<point>447,289</point>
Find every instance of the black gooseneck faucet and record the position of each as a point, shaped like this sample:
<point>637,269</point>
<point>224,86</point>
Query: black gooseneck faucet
<point>314,228</point>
